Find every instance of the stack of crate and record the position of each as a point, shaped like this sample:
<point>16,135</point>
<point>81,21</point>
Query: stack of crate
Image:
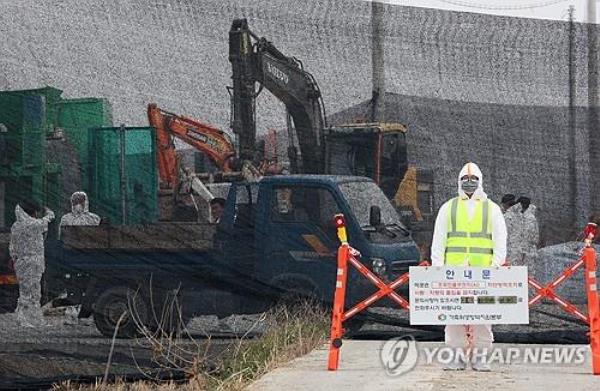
<point>57,146</point>
<point>39,162</point>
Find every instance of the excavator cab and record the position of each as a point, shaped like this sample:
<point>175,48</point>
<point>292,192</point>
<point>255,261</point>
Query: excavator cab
<point>379,151</point>
<point>374,150</point>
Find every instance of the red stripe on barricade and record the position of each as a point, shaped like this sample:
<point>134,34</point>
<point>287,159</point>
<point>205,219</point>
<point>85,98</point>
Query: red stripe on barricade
<point>589,257</point>
<point>8,279</point>
<point>347,255</point>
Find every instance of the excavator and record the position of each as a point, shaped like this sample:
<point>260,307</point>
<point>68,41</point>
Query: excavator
<point>376,150</point>
<point>206,138</point>
<point>176,182</point>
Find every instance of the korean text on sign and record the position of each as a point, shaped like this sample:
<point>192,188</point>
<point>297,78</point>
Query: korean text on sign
<point>459,295</point>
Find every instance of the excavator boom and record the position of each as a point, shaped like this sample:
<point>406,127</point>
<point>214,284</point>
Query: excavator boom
<point>256,61</point>
<point>205,138</point>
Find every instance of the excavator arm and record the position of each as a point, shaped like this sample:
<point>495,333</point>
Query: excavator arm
<point>205,138</point>
<point>255,61</point>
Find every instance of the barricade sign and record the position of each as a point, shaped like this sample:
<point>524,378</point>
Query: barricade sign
<point>463,295</point>
<point>499,298</point>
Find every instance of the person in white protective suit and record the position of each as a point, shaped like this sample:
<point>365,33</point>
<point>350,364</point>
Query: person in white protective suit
<point>80,212</point>
<point>79,215</point>
<point>531,231</point>
<point>469,231</point>
<point>27,251</point>
<point>523,233</point>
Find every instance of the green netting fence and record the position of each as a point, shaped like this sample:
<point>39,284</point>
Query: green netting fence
<point>123,177</point>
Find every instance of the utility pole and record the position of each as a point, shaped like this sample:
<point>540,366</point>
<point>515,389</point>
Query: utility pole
<point>591,11</point>
<point>571,139</point>
<point>577,141</point>
<point>377,61</point>
<point>577,145</point>
<point>592,133</point>
<point>592,54</point>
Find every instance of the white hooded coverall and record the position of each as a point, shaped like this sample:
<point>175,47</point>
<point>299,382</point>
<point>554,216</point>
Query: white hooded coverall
<point>456,335</point>
<point>27,251</point>
<point>80,214</point>
<point>523,236</point>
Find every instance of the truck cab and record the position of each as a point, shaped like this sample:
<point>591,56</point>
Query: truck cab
<point>280,232</point>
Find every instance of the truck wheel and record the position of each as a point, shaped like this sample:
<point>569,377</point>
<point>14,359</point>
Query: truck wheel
<point>112,304</point>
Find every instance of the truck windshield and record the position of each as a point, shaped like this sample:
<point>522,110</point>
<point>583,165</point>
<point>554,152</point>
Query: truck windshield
<point>362,195</point>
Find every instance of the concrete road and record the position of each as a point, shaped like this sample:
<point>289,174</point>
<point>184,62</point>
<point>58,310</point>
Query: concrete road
<point>361,368</point>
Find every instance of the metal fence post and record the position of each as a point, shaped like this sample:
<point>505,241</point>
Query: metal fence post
<point>589,255</point>
<point>339,298</point>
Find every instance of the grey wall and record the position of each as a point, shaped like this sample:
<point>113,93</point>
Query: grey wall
<point>520,150</point>
<point>173,52</point>
<point>471,86</point>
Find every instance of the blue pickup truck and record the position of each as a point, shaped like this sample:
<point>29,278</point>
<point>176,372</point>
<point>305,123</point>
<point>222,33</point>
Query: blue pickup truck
<point>275,240</point>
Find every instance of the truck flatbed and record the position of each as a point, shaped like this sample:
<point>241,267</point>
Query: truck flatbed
<point>161,236</point>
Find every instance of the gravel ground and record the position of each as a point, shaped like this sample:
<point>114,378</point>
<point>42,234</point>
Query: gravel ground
<point>547,324</point>
<point>33,357</point>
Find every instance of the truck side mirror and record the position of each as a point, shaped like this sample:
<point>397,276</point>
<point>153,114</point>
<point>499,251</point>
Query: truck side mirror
<point>375,216</point>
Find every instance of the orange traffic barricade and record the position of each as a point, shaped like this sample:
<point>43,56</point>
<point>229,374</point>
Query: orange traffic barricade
<point>347,255</point>
<point>591,285</point>
<point>588,260</point>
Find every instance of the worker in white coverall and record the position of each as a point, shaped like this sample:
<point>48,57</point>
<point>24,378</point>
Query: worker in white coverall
<point>80,212</point>
<point>523,234</point>
<point>27,251</point>
<point>469,231</point>
<point>80,215</point>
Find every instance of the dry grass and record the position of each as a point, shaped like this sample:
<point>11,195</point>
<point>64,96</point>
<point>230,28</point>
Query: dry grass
<point>291,333</point>
<point>120,385</point>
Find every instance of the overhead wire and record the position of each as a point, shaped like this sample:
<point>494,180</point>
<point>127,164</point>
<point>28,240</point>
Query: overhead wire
<point>469,4</point>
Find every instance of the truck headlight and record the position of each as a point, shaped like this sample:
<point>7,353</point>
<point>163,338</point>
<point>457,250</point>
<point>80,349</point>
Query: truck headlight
<point>378,266</point>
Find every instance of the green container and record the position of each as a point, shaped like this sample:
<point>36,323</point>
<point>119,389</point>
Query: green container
<point>24,116</point>
<point>51,97</point>
<point>123,176</point>
<point>75,118</point>
<point>24,188</point>
<point>32,173</point>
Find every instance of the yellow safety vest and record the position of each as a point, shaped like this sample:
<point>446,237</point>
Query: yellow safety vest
<point>469,242</point>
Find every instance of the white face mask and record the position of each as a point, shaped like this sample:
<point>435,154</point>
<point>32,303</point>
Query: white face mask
<point>78,208</point>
